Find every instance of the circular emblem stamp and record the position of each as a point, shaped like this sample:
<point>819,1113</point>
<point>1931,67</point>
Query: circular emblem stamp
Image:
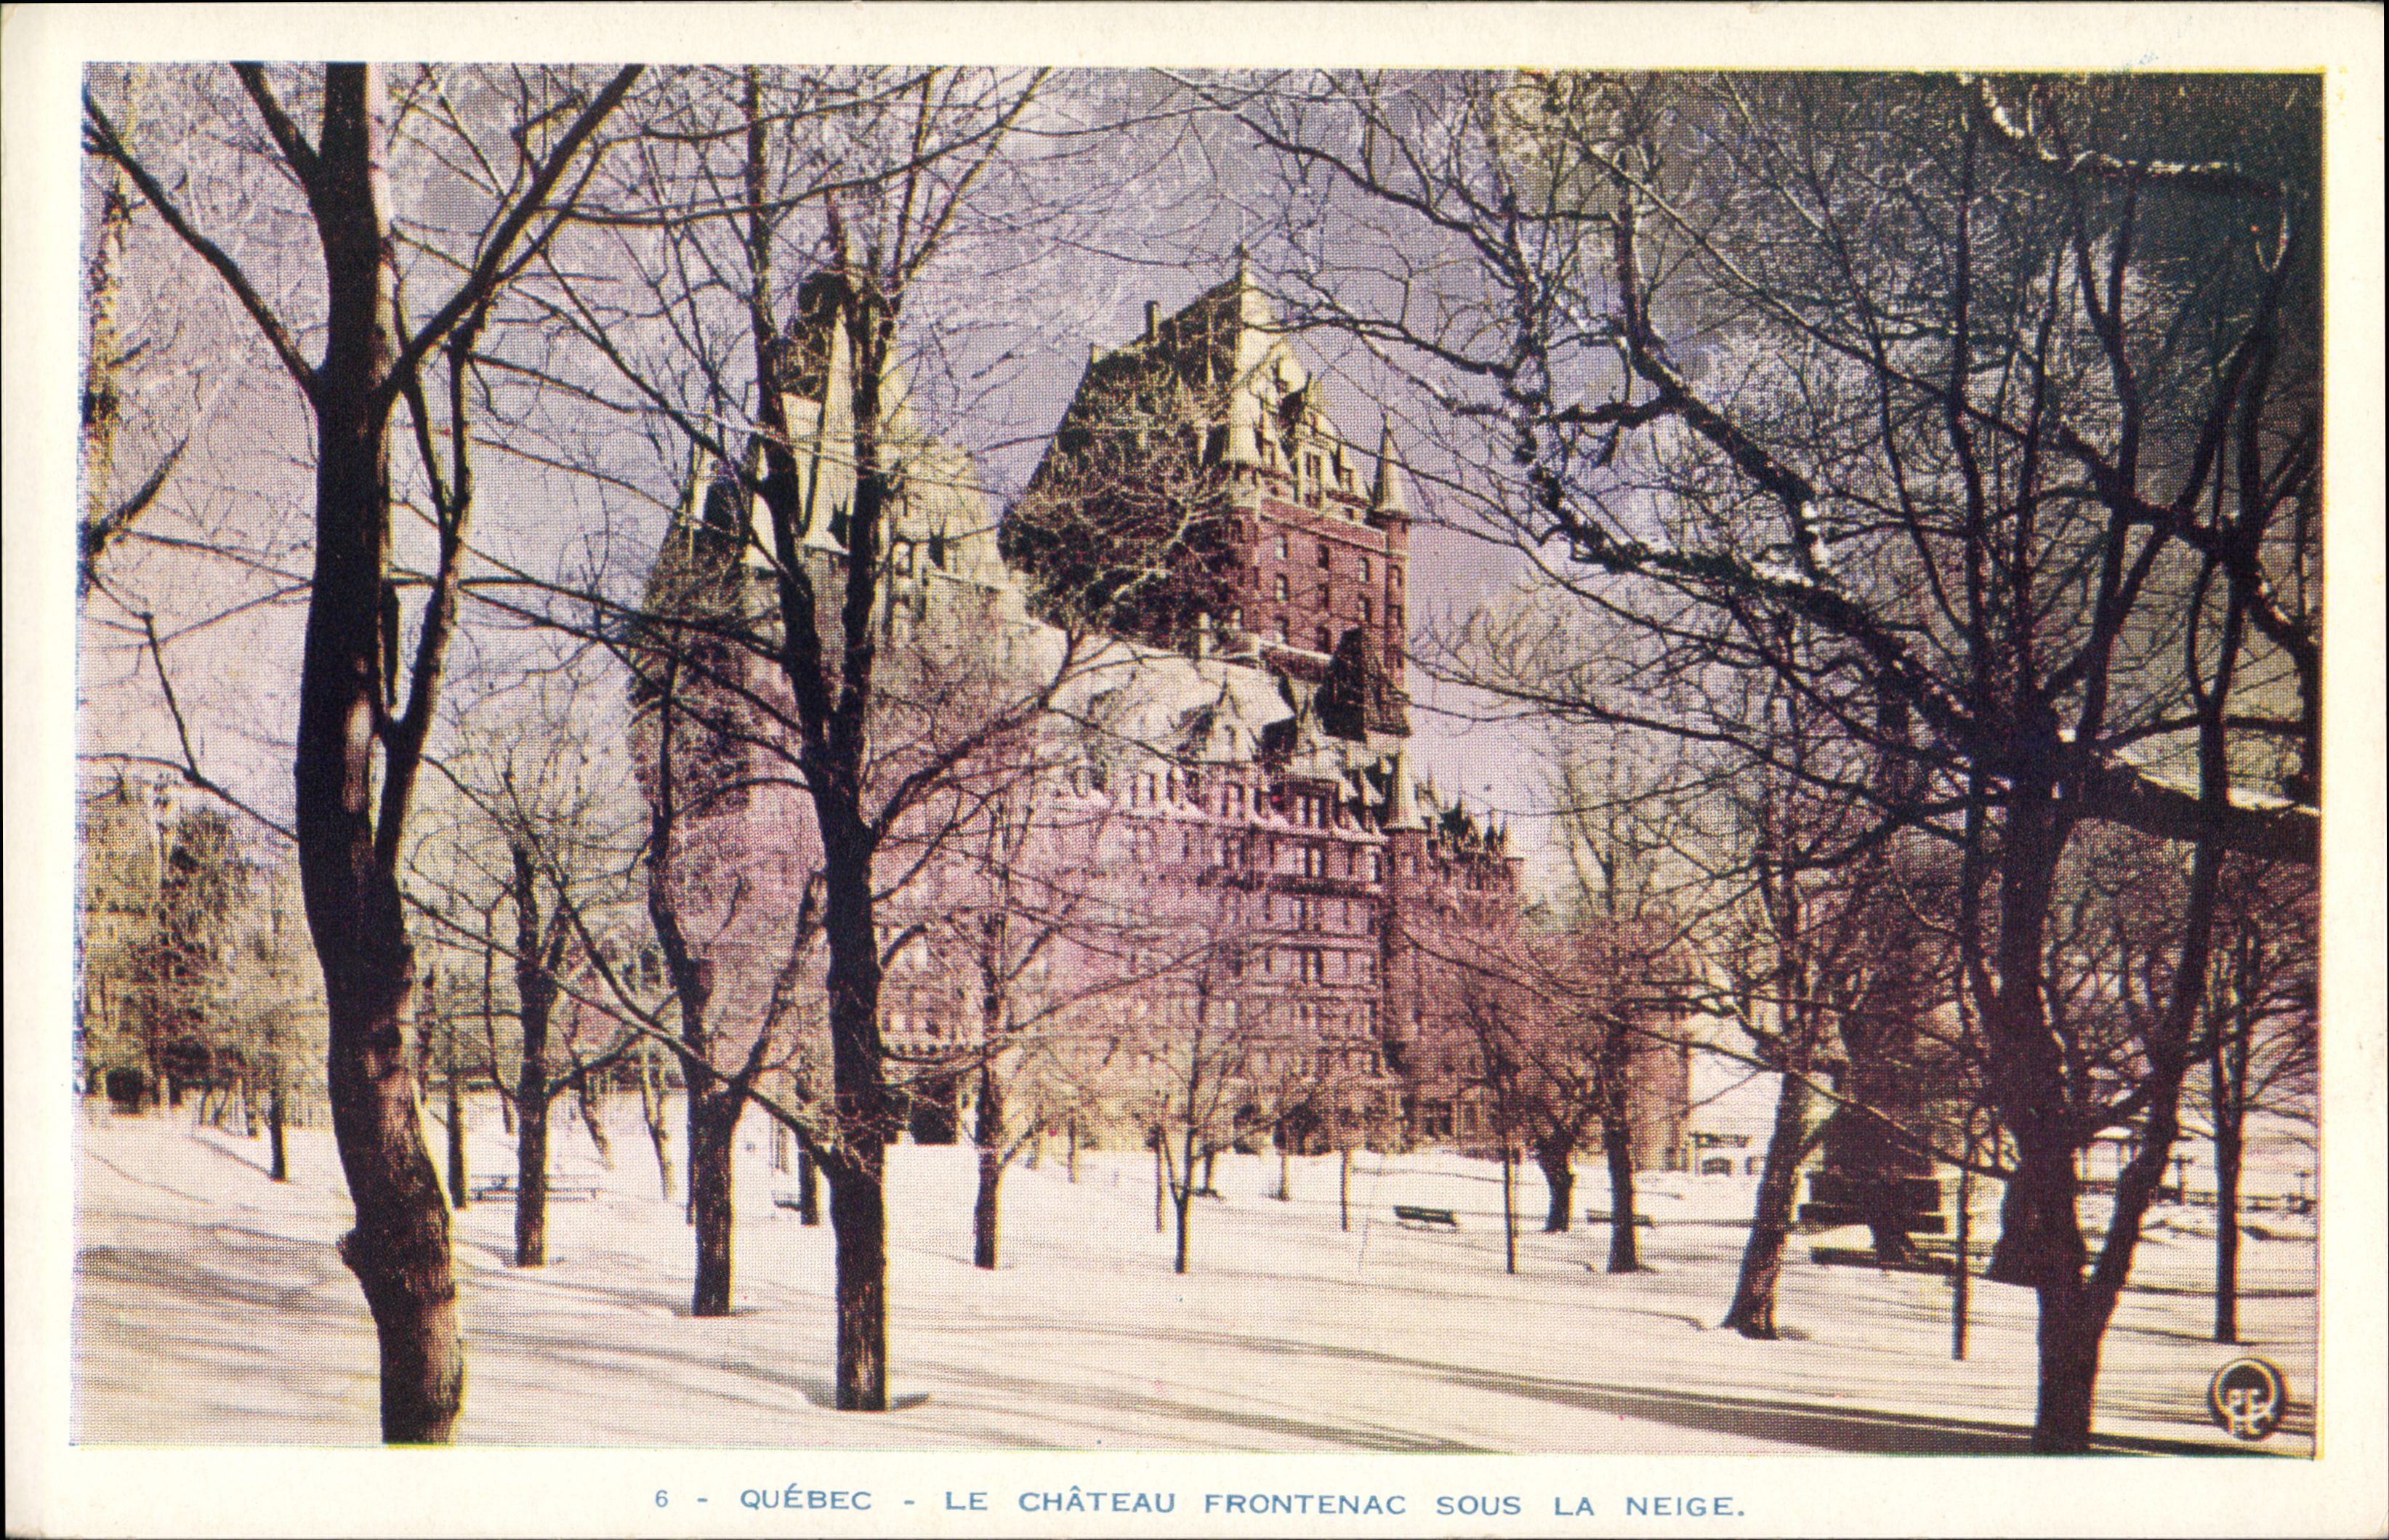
<point>2247,1398</point>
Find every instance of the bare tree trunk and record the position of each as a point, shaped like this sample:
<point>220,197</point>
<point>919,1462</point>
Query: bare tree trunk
<point>1285,1192</point>
<point>2226,1242</point>
<point>808,1187</point>
<point>399,1248</point>
<point>535,998</point>
<point>1617,1143</point>
<point>1753,1312</point>
<point>654,1113</point>
<point>1074,1151</point>
<point>1557,1159</point>
<point>459,1193</point>
<point>1344,1189</point>
<point>712,1133</point>
<point>857,1165</point>
<point>1961,1261</point>
<point>1182,1196</point>
<point>276,1113</point>
<point>2071,1325</point>
<point>857,1212</point>
<point>1160,1185</point>
<point>990,1136</point>
<point>1509,1207</point>
<point>2227,1102</point>
<point>530,1164</point>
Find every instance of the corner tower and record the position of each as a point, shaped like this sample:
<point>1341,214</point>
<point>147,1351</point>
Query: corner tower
<point>1197,487</point>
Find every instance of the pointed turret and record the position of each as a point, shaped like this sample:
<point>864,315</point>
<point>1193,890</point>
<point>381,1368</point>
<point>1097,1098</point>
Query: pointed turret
<point>1401,800</point>
<point>1386,499</point>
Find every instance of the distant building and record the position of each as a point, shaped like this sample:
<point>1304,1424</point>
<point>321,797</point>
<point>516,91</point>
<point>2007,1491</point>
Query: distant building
<point>1246,567</point>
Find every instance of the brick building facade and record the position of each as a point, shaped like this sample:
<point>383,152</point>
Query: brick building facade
<point>1245,569</point>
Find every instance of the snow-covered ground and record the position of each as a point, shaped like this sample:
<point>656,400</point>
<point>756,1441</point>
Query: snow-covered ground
<point>211,1308</point>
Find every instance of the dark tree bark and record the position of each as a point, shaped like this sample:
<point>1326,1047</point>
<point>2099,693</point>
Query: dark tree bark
<point>275,1114</point>
<point>1753,1312</point>
<point>808,1186</point>
<point>399,1249</point>
<point>1509,1206</point>
<point>459,1190</point>
<point>1557,1159</point>
<point>1618,1144</point>
<point>654,1113</point>
<point>535,990</point>
<point>350,831</point>
<point>1181,1196</point>
<point>2229,1135</point>
<point>712,1135</point>
<point>858,1214</point>
<point>990,1135</point>
<point>1961,1261</point>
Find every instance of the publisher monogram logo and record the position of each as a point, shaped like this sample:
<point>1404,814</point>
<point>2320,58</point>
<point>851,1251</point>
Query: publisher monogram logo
<point>2247,1397</point>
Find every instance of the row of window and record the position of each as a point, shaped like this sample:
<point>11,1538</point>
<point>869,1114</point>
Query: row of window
<point>1305,965</point>
<point>1304,911</point>
<point>1283,591</point>
<point>1326,556</point>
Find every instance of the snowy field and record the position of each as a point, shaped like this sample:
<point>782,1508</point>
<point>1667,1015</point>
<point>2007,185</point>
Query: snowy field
<point>210,1308</point>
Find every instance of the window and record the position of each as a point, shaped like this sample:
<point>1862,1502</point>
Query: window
<point>1326,556</point>
<point>1284,592</point>
<point>1324,644</point>
<point>1282,548</point>
<point>1394,576</point>
<point>1364,569</point>
<point>1283,634</point>
<point>1368,612</point>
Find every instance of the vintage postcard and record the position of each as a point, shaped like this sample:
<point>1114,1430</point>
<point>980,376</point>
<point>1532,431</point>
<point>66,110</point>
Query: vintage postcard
<point>1120,770</point>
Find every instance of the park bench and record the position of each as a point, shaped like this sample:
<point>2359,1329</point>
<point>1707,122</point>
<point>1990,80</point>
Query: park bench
<point>1934,1262</point>
<point>1601,1217</point>
<point>558,1192</point>
<point>1410,1213</point>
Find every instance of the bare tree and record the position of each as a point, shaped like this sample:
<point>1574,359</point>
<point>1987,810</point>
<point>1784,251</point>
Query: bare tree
<point>374,356</point>
<point>2261,1031</point>
<point>2007,389</point>
<point>1200,1053</point>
